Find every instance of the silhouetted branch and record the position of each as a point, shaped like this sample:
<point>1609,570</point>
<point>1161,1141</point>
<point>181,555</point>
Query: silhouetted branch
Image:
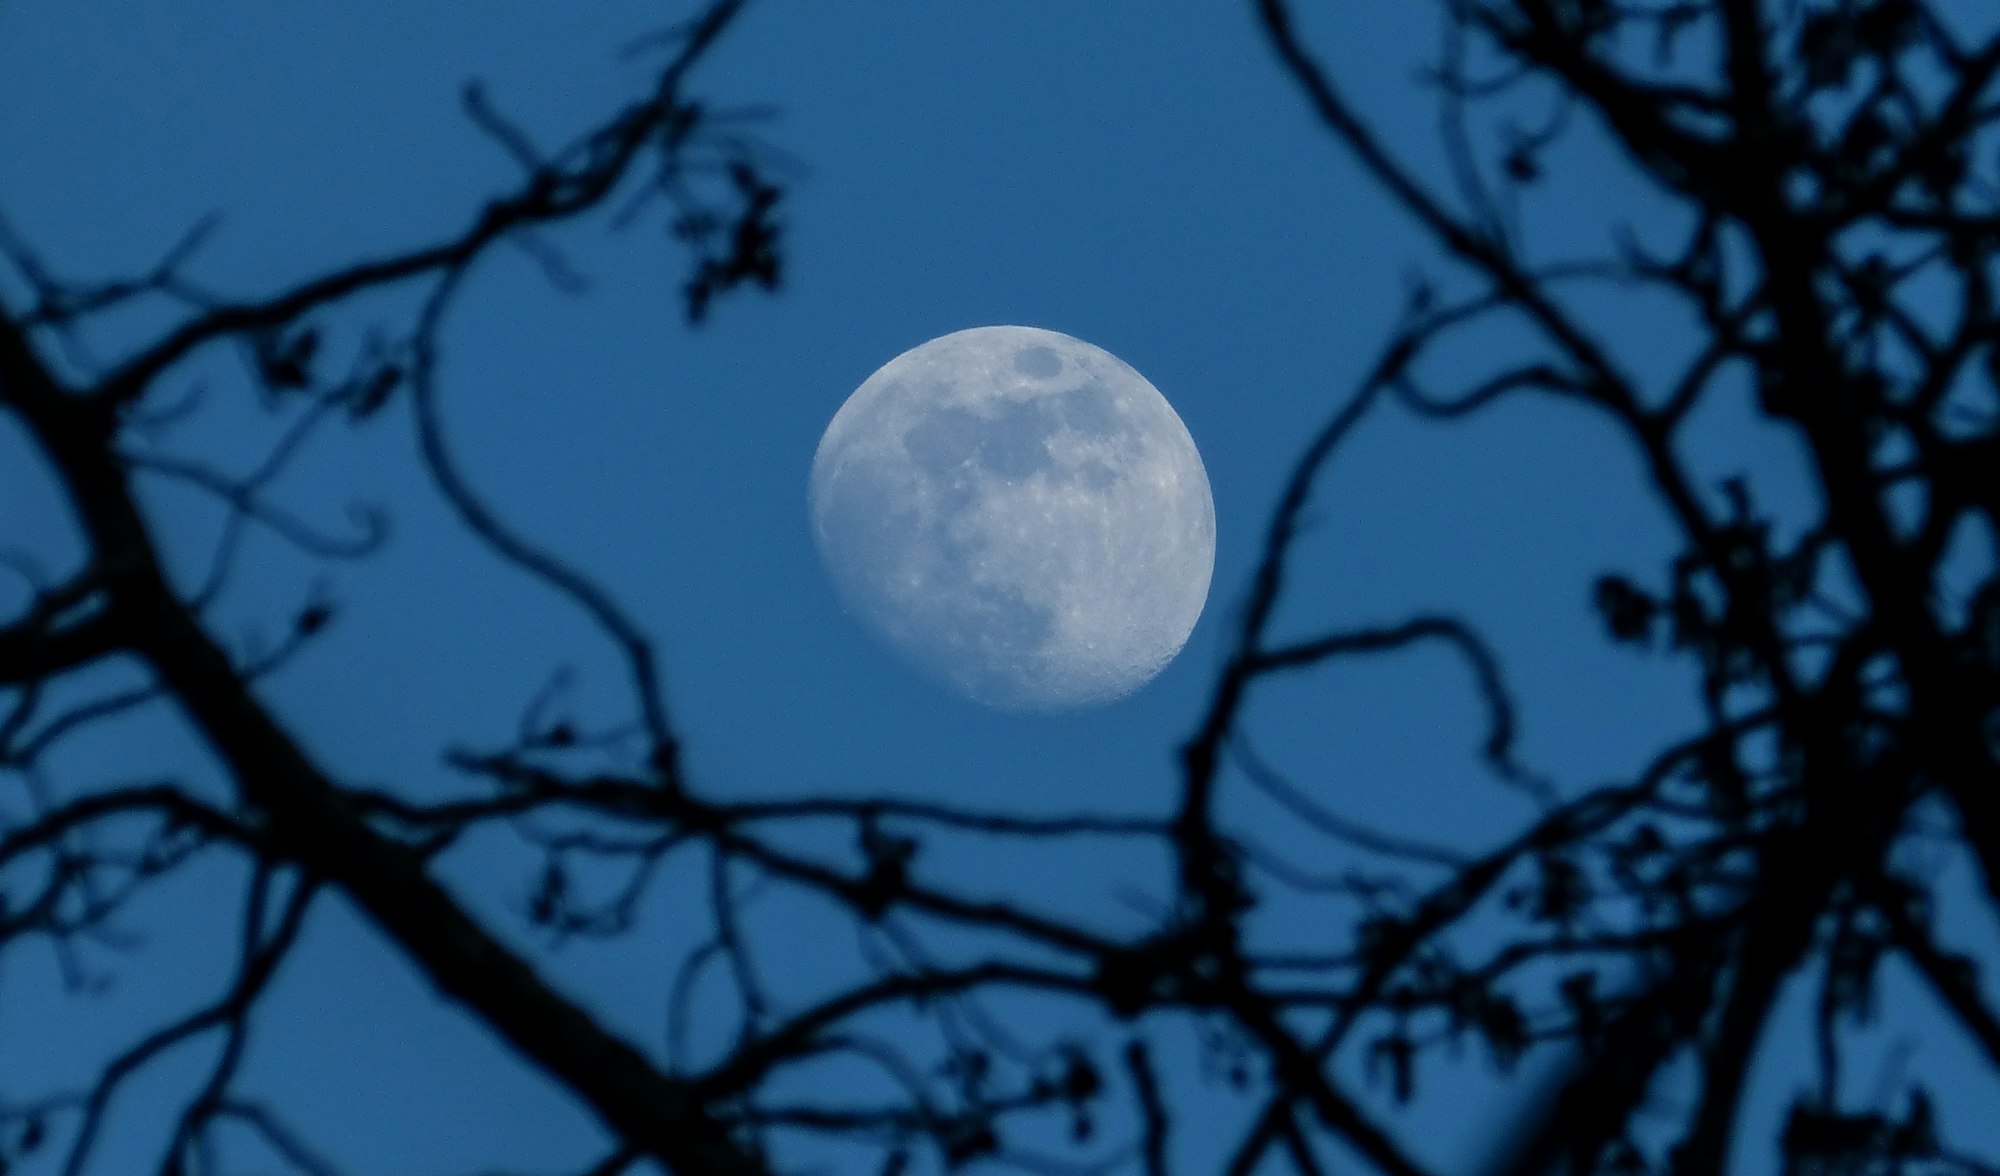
<point>592,598</point>
<point>575,182</point>
<point>1153,1113</point>
<point>282,1138</point>
<point>1279,789</point>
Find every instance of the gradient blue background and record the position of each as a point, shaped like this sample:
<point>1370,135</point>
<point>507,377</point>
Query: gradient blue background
<point>1141,176</point>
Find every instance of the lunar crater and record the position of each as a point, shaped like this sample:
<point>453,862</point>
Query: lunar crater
<point>1037,362</point>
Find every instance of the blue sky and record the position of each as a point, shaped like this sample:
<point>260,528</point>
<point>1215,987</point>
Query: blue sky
<point>1139,176</point>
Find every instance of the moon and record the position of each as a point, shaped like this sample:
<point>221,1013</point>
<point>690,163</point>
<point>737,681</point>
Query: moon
<point>1018,513</point>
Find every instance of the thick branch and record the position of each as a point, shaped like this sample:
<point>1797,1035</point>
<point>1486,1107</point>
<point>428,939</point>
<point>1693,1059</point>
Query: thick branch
<point>310,822</point>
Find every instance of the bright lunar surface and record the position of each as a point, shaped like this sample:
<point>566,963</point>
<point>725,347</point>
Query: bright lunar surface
<point>1020,514</point>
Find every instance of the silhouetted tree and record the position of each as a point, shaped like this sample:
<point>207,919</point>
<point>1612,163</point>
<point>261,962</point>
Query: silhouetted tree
<point>1831,168</point>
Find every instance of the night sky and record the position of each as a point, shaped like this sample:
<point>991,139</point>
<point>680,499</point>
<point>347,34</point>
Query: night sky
<point>1141,176</point>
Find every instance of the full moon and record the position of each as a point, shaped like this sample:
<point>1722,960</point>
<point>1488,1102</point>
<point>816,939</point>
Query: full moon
<point>1019,514</point>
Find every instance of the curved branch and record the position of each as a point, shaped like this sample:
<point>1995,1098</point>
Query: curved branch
<point>586,593</point>
<point>551,194</point>
<point>1499,749</point>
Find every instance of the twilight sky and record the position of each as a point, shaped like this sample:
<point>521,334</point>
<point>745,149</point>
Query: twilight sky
<point>1140,176</point>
